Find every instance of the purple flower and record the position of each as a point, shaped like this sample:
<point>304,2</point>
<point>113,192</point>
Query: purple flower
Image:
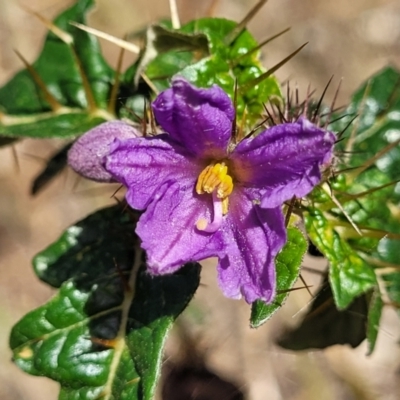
<point>204,196</point>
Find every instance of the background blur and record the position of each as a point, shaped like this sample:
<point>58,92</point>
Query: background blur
<point>346,39</point>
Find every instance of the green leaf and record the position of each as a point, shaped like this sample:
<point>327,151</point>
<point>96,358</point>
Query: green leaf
<point>198,51</point>
<point>42,126</point>
<point>101,240</point>
<point>54,166</point>
<point>24,108</point>
<point>102,335</point>
<point>228,62</point>
<point>173,51</point>
<point>374,317</point>
<point>288,263</point>
<point>392,286</point>
<point>349,274</point>
<point>378,103</point>
<point>5,141</point>
<point>368,194</point>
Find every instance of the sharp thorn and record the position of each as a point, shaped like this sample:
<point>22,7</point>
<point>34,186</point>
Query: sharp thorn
<point>62,35</point>
<point>338,204</point>
<point>290,210</point>
<point>333,104</point>
<point>119,42</point>
<point>267,74</point>
<point>321,100</point>
<point>305,285</point>
<point>53,102</point>
<point>242,24</point>
<point>176,24</point>
<point>258,47</point>
<point>115,87</point>
<point>150,84</point>
<point>234,122</point>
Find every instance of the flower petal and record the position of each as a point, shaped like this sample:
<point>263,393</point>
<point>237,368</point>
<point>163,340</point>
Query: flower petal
<point>168,229</point>
<point>283,161</point>
<point>86,156</point>
<point>253,237</point>
<point>198,119</point>
<point>143,165</point>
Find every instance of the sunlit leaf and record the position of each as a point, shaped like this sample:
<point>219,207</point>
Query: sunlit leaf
<point>374,317</point>
<point>23,106</point>
<point>198,51</point>
<point>349,274</point>
<point>288,263</point>
<point>103,333</point>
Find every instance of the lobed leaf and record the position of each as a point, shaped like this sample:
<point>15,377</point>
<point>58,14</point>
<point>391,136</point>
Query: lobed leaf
<point>103,333</point>
<point>368,193</point>
<point>199,52</point>
<point>349,274</point>
<point>378,102</point>
<point>25,110</point>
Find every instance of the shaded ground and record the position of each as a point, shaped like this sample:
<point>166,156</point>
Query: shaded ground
<point>349,39</point>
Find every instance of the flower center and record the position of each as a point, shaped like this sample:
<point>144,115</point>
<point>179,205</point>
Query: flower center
<point>215,180</point>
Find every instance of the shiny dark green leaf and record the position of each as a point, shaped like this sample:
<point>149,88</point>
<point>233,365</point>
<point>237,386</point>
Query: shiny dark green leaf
<point>42,126</point>
<point>24,109</point>
<point>101,240</point>
<point>288,263</point>
<point>102,334</point>
<point>54,166</point>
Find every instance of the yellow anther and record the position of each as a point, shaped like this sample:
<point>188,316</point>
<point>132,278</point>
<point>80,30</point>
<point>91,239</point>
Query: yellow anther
<point>225,187</point>
<point>225,205</point>
<point>215,177</point>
